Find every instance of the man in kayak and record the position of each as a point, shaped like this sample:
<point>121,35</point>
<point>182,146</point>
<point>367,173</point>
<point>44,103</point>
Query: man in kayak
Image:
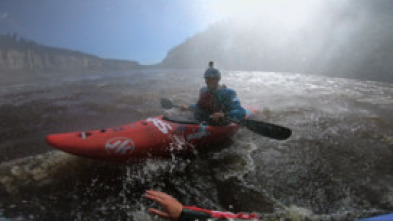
<point>174,210</point>
<point>217,103</point>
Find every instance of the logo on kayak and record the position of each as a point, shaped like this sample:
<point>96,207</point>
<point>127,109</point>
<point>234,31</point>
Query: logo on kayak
<point>119,146</point>
<point>161,125</point>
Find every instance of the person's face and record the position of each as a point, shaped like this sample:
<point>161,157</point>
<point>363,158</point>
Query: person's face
<point>212,83</point>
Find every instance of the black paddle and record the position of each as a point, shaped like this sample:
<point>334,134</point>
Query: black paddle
<point>263,128</point>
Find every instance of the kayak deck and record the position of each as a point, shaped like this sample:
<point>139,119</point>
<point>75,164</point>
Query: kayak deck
<point>151,137</point>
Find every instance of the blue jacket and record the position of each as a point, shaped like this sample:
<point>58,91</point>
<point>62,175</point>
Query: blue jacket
<point>222,99</point>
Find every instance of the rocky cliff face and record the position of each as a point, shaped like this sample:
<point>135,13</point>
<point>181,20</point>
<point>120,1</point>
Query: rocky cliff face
<point>18,54</point>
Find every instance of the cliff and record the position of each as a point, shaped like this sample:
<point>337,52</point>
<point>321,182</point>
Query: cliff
<point>339,42</point>
<point>17,54</point>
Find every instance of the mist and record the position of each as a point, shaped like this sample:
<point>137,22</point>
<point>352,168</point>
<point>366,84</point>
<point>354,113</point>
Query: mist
<point>335,38</point>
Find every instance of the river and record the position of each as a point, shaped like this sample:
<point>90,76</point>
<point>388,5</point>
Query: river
<point>335,166</point>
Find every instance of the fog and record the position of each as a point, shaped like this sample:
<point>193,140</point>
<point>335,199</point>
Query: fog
<point>335,38</point>
<point>338,38</point>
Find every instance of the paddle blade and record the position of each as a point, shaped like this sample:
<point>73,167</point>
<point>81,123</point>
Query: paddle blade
<point>267,129</point>
<point>166,103</point>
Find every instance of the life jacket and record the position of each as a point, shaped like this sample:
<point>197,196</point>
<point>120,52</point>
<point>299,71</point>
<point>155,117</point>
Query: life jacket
<point>209,102</point>
<point>221,100</point>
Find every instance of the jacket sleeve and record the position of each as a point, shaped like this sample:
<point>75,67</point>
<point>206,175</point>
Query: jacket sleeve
<point>233,106</point>
<point>192,213</point>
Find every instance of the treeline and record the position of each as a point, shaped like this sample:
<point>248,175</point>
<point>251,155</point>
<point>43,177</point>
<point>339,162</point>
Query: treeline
<point>341,42</point>
<point>15,41</point>
<point>18,54</point>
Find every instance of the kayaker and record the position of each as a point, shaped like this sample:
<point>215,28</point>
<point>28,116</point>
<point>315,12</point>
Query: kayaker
<point>217,103</point>
<point>174,210</point>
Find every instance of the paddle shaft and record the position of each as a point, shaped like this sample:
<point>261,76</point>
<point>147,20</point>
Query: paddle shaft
<point>263,128</point>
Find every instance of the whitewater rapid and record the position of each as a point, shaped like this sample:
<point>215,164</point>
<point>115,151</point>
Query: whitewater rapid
<point>336,164</point>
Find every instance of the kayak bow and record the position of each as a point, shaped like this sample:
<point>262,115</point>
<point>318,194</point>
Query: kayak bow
<point>152,137</point>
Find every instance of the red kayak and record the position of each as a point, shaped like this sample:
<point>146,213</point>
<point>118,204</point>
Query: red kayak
<point>152,137</point>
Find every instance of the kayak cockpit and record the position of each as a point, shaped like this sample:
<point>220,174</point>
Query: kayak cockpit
<point>180,119</point>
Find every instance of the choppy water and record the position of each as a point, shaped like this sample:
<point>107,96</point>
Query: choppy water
<point>336,166</point>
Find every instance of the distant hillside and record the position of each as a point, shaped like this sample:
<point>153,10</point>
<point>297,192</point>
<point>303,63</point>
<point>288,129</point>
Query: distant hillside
<point>17,54</point>
<point>354,42</point>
